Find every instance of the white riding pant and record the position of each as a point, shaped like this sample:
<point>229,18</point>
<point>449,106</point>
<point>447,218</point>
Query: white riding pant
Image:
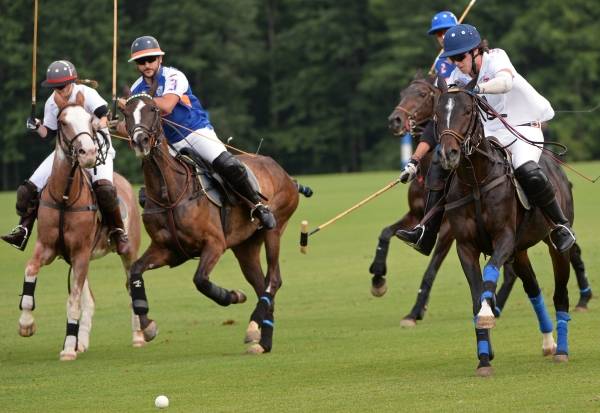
<point>522,151</point>
<point>204,141</point>
<point>104,171</point>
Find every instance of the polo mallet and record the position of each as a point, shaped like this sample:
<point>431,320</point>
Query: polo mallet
<point>114,63</point>
<point>34,58</point>
<point>462,17</point>
<point>304,234</point>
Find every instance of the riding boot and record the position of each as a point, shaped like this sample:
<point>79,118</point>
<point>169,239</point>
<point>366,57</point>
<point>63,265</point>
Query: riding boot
<point>234,172</point>
<point>540,191</point>
<point>27,207</point>
<point>423,236</point>
<point>108,203</point>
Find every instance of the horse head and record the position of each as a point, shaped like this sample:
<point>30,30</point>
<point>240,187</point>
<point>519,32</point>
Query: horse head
<point>142,118</point>
<point>76,135</point>
<point>458,125</point>
<point>416,105</point>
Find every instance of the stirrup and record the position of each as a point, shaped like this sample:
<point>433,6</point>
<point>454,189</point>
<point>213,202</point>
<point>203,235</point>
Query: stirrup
<point>254,208</point>
<point>570,233</point>
<point>15,231</point>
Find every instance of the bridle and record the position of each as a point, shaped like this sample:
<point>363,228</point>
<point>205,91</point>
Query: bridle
<point>431,97</point>
<point>155,130</point>
<point>67,145</point>
<point>473,136</point>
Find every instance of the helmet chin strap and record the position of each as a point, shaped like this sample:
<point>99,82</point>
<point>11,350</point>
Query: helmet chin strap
<point>474,70</point>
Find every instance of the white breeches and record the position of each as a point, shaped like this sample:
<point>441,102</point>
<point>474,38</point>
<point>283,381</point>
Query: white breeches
<point>522,151</point>
<point>205,142</point>
<point>105,171</point>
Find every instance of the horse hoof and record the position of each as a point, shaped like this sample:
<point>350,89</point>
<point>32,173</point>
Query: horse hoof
<point>486,322</point>
<point>561,358</point>
<point>241,297</point>
<point>252,333</point>
<point>487,371</point>
<point>408,322</point>
<point>255,349</point>
<point>68,355</point>
<point>581,309</point>
<point>27,331</point>
<point>380,289</point>
<point>138,339</point>
<point>150,332</point>
<point>81,348</point>
<point>549,351</point>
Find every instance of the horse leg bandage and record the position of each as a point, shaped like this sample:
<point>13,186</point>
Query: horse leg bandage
<point>27,297</point>
<point>138,296</point>
<point>218,294</point>
<point>562,332</point>
<point>266,333</point>
<point>542,313</point>
<point>263,306</point>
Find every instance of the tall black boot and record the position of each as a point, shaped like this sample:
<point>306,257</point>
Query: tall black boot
<point>423,237</point>
<point>27,207</point>
<point>108,203</point>
<point>540,191</point>
<point>232,170</point>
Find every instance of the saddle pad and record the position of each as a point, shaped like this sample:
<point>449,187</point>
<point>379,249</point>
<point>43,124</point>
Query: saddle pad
<point>213,189</point>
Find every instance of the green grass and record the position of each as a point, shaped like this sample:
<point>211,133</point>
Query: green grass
<point>336,348</point>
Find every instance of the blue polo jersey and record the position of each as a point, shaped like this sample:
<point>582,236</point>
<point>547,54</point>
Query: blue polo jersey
<point>188,112</point>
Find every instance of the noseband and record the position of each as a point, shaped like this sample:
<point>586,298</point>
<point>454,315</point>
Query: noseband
<point>472,138</point>
<point>411,115</point>
<point>155,130</point>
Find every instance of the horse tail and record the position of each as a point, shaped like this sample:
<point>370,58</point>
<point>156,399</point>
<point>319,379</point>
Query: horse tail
<point>304,190</point>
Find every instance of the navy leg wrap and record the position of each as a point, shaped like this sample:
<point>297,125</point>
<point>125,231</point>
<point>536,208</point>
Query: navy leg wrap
<point>72,329</point>
<point>484,347</point>
<point>138,296</point>
<point>266,333</point>
<point>218,294</point>
<point>263,306</point>
<point>28,289</point>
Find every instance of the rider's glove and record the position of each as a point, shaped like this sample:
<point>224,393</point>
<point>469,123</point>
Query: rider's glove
<point>410,171</point>
<point>33,124</point>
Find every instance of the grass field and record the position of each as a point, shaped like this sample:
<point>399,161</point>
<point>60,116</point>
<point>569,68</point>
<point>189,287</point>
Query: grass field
<point>336,348</point>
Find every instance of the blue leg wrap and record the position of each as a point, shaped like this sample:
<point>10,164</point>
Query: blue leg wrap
<point>585,290</point>
<point>490,273</point>
<point>266,300</point>
<point>542,313</point>
<point>483,347</point>
<point>562,332</point>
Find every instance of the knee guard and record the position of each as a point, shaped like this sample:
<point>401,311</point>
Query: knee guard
<point>106,193</point>
<point>230,167</point>
<point>27,198</point>
<point>535,183</point>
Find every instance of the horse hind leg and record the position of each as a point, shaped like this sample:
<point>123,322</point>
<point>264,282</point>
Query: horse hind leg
<point>88,306</point>
<point>74,306</point>
<point>585,291</point>
<point>522,267</point>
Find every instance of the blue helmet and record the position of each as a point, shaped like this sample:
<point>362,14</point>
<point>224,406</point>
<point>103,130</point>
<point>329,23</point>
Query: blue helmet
<point>442,21</point>
<point>460,39</point>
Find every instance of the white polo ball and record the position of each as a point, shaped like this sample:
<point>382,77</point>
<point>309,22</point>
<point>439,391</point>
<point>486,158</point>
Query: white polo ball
<point>162,402</point>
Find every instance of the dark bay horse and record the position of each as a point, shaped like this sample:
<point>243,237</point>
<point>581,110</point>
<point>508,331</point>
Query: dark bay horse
<point>69,226</point>
<point>412,113</point>
<point>485,216</point>
<point>183,223</point>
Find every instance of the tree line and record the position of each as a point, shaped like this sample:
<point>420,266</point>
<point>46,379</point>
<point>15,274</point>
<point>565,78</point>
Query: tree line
<point>309,81</point>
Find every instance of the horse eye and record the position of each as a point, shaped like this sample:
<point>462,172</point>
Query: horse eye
<point>422,94</point>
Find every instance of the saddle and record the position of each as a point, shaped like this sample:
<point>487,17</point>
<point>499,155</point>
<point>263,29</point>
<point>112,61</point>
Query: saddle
<point>522,197</point>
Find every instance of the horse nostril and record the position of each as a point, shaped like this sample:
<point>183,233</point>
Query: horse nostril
<point>145,141</point>
<point>81,152</point>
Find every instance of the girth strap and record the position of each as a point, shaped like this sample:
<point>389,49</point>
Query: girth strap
<point>469,198</point>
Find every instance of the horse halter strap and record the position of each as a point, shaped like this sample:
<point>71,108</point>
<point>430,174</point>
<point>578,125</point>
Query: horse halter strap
<point>68,144</point>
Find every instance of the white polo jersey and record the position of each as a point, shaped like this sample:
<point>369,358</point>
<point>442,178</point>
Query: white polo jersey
<point>92,101</point>
<point>522,104</point>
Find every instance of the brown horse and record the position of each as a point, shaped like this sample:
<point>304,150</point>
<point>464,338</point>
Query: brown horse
<point>412,113</point>
<point>486,217</point>
<point>183,223</point>
<point>69,226</point>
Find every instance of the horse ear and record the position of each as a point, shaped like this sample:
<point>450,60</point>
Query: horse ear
<point>60,101</point>
<point>418,75</point>
<point>441,84</point>
<point>79,99</point>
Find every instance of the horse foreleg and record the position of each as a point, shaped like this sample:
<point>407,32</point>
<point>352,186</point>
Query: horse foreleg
<point>585,291</point>
<point>87,312</point>
<point>80,265</point>
<point>208,259</point>
<point>154,257</point>
<point>137,335</point>
<point>440,252</point>
<point>378,267</point>
<point>560,264</point>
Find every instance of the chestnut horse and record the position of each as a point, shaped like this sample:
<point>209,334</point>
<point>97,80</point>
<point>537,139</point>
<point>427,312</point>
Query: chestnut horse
<point>411,115</point>
<point>183,224</point>
<point>485,216</point>
<point>69,226</point>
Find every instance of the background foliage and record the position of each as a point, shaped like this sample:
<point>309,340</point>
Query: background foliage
<point>315,79</point>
